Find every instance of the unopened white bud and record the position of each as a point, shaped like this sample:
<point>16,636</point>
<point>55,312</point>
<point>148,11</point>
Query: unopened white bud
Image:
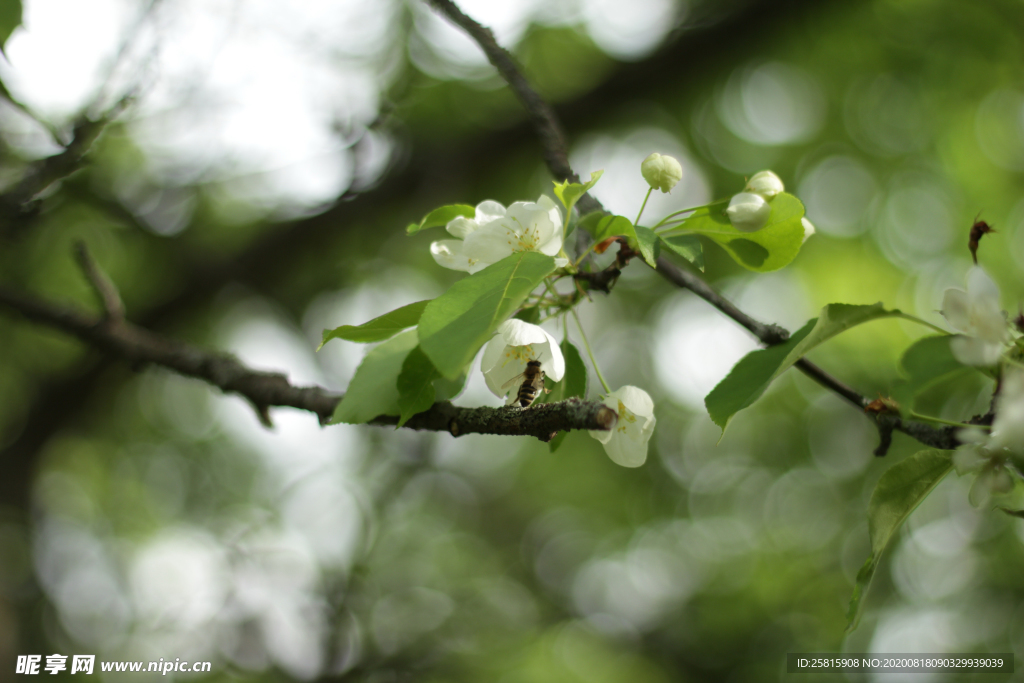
<point>748,212</point>
<point>765,183</point>
<point>661,172</point>
<point>808,228</point>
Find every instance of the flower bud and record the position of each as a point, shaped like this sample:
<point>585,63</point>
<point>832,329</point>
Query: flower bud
<point>765,183</point>
<point>661,172</point>
<point>808,228</point>
<point>748,212</point>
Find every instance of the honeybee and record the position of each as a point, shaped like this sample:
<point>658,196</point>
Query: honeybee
<point>532,379</point>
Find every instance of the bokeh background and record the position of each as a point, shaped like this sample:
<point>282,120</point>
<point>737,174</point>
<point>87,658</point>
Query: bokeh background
<point>256,191</point>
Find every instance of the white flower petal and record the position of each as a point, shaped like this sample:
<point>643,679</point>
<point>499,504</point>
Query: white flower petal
<point>490,243</point>
<point>981,289</point>
<point>449,254</point>
<point>1008,427</point>
<point>955,309</point>
<point>974,351</point>
<point>461,227</point>
<point>967,459</point>
<point>518,332</point>
<point>626,442</point>
<point>561,262</point>
<point>808,228</point>
<point>489,210</point>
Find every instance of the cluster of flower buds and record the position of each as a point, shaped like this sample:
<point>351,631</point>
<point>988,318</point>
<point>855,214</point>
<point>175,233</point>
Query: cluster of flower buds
<point>749,210</point>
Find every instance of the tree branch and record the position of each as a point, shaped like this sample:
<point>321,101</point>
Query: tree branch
<point>267,389</point>
<point>556,156</point>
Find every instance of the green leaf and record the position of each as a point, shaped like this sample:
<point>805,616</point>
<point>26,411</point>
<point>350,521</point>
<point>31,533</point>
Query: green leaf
<point>415,385</point>
<point>557,441</point>
<point>648,242</point>
<point>570,193</point>
<point>609,225</point>
<point>898,492</point>
<point>373,390</point>
<point>378,329</point>
<point>925,363</point>
<point>749,378</point>
<point>10,19</point>
<point>456,324</point>
<point>529,315</point>
<point>770,248</point>
<point>574,381</point>
<point>447,389</point>
<point>440,216</point>
<point>687,246</point>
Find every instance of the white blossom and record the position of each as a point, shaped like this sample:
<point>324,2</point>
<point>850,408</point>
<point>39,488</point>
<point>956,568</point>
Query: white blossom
<point>496,232</point>
<point>765,183</point>
<point>661,172</point>
<point>513,345</point>
<point>977,314</point>
<point>748,212</point>
<point>626,443</point>
<point>989,455</point>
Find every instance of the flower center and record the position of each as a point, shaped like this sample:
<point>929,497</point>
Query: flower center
<point>625,416</point>
<point>523,353</point>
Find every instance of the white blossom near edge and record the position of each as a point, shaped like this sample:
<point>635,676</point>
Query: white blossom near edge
<point>661,171</point>
<point>808,228</point>
<point>626,443</point>
<point>988,455</point>
<point>513,345</point>
<point>977,314</point>
<point>748,212</point>
<point>496,232</point>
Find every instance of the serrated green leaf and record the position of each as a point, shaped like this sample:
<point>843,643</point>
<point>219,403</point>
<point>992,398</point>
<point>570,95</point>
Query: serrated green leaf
<point>770,248</point>
<point>925,363</point>
<point>440,216</point>
<point>687,246</point>
<point>10,19</point>
<point>415,385</point>
<point>378,329</point>
<point>373,390</point>
<point>749,378</point>
<point>456,324</point>
<point>898,492</point>
<point>570,193</point>
<point>647,241</point>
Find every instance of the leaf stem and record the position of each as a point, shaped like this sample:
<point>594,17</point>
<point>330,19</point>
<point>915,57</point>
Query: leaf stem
<point>646,197</point>
<point>667,219</point>
<point>586,345</point>
<point>939,420</point>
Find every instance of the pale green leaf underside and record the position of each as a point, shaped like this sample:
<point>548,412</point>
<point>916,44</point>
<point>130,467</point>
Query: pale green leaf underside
<point>898,492</point>
<point>378,329</point>
<point>441,216</point>
<point>373,390</point>
<point>455,325</point>
<point>749,378</point>
<point>770,248</point>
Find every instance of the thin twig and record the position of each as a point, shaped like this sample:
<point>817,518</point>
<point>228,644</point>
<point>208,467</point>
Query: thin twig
<point>106,292</point>
<point>556,156</point>
<point>268,389</point>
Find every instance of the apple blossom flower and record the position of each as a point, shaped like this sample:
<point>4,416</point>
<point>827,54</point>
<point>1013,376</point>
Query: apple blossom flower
<point>748,212</point>
<point>765,183</point>
<point>626,443</point>
<point>661,172</point>
<point>496,232</point>
<point>513,345</point>
<point>808,228</point>
<point>976,313</point>
<point>989,455</point>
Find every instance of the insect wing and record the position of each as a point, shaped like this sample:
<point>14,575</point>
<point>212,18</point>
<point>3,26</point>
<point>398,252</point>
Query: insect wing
<point>518,379</point>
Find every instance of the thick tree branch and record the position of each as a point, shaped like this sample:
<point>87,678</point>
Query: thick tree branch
<point>267,389</point>
<point>545,120</point>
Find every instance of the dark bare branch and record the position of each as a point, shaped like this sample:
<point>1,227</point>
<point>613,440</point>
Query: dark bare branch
<point>106,292</point>
<point>268,389</point>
